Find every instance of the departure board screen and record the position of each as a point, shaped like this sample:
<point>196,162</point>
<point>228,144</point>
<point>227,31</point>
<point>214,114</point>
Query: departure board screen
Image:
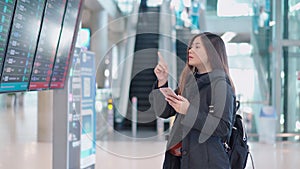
<point>6,14</point>
<point>66,43</point>
<point>22,45</point>
<point>47,46</point>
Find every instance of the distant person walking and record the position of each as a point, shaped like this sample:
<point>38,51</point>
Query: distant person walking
<point>194,13</point>
<point>263,18</point>
<point>143,6</point>
<point>255,17</point>
<point>178,7</point>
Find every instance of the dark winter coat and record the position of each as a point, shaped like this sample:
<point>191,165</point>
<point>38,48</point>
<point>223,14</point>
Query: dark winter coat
<point>206,124</point>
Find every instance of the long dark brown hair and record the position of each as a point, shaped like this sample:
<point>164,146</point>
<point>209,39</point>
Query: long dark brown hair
<point>216,53</point>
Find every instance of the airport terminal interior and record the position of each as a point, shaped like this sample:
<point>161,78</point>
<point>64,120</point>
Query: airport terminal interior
<point>76,77</point>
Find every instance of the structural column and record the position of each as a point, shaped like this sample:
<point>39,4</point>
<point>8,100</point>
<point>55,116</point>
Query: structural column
<point>277,57</point>
<point>45,116</point>
<point>60,128</point>
<point>99,42</point>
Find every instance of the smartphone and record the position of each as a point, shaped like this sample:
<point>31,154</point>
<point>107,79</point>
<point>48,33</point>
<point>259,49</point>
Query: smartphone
<point>167,92</point>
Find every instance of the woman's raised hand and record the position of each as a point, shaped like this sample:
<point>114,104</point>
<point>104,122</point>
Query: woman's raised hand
<point>161,70</point>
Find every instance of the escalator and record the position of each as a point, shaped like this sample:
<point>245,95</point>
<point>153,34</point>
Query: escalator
<point>142,76</point>
<point>261,55</point>
<point>263,39</point>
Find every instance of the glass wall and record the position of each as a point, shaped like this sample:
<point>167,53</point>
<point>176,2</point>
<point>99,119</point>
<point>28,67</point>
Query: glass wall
<point>290,114</point>
<point>290,117</point>
<point>294,19</point>
<point>249,77</point>
<point>247,84</point>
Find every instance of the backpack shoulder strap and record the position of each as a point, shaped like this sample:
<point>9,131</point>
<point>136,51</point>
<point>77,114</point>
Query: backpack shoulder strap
<point>236,108</point>
<point>237,104</point>
<point>252,162</point>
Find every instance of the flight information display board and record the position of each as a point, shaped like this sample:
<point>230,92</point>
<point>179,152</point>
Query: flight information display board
<point>47,46</point>
<point>66,43</point>
<point>6,14</point>
<point>22,45</point>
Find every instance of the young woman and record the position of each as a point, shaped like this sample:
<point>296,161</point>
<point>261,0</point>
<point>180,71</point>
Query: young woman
<point>203,108</point>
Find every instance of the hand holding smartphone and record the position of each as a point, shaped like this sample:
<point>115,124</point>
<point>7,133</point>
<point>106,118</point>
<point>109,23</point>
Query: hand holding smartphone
<point>168,92</point>
<point>179,103</point>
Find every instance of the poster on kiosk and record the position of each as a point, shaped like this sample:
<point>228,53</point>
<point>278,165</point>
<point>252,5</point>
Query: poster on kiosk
<point>74,114</point>
<point>88,133</point>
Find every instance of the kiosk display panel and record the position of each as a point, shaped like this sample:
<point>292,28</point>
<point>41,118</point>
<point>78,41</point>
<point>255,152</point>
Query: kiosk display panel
<point>47,46</point>
<point>21,46</point>
<point>6,14</point>
<point>66,43</point>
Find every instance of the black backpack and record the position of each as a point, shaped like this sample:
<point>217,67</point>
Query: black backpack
<point>237,146</point>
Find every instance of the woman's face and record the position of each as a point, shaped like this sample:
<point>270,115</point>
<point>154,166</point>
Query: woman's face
<point>197,55</point>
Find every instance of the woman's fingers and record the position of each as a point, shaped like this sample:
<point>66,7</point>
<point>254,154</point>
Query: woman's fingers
<point>173,100</point>
<point>173,97</point>
<point>161,71</point>
<point>179,103</point>
<point>160,68</point>
<point>161,59</point>
<point>165,67</point>
<point>157,68</point>
<point>176,104</point>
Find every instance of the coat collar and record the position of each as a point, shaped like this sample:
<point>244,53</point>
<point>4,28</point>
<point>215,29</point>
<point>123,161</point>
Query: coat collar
<point>207,78</point>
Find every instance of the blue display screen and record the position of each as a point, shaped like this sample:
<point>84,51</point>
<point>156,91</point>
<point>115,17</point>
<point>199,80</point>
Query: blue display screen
<point>21,45</point>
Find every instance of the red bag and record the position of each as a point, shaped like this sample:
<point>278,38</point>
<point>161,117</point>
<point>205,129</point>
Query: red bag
<point>176,149</point>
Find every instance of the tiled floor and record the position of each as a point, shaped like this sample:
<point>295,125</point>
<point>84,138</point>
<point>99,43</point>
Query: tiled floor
<point>19,149</point>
